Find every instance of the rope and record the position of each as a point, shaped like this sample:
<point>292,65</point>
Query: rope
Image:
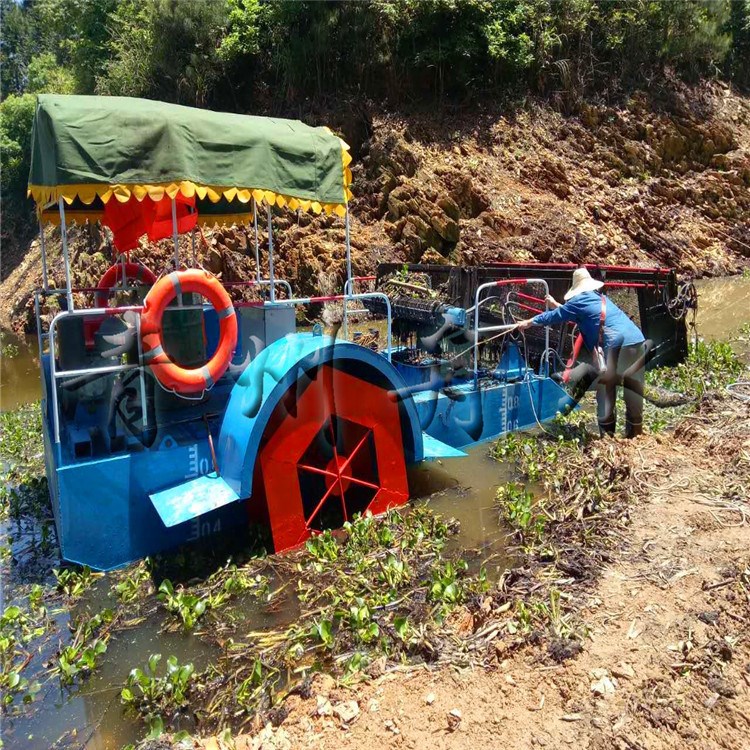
<point>486,341</point>
<point>731,389</point>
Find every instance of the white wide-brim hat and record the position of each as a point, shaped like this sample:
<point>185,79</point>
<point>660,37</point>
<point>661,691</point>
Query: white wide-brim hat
<point>582,282</point>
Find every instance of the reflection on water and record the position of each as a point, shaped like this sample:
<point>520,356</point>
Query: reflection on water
<point>19,371</point>
<point>723,308</point>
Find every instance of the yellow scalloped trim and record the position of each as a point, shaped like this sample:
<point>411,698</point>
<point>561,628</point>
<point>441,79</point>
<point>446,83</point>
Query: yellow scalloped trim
<point>44,195</point>
<point>87,193</point>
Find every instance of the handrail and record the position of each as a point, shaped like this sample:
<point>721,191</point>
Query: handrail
<point>55,375</point>
<point>348,290</point>
<point>346,297</point>
<point>487,329</point>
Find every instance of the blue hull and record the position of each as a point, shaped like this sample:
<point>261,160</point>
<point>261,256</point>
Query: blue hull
<point>103,480</point>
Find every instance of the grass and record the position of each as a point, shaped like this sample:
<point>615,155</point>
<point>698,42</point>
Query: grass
<point>710,366</point>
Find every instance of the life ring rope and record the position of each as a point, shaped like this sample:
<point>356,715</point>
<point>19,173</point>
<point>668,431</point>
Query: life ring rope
<point>111,277</point>
<point>171,375</point>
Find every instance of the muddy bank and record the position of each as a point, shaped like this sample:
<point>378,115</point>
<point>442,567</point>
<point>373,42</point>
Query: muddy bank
<point>664,656</point>
<point>659,179</point>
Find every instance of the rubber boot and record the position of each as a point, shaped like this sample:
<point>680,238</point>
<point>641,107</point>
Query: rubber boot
<point>607,428</point>
<point>633,430</point>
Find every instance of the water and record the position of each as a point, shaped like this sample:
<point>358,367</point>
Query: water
<point>90,716</point>
<point>19,371</point>
<point>723,309</point>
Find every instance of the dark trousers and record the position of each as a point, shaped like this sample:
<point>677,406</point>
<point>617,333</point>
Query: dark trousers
<point>626,366</point>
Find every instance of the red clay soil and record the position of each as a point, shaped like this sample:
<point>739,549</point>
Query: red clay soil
<point>655,180</point>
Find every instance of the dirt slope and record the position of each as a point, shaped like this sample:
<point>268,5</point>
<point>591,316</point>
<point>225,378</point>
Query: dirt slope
<point>667,661</point>
<point>662,179</point>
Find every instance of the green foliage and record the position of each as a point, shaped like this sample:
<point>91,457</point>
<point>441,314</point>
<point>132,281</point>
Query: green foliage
<point>46,76</point>
<point>75,581</point>
<point>82,655</point>
<point>134,582</point>
<point>220,587</point>
<point>188,607</point>
<point>737,63</point>
<point>18,627</point>
<point>152,694</point>
<point>16,116</point>
<point>519,509</point>
<point>710,366</point>
<point>446,585</point>
<point>165,49</point>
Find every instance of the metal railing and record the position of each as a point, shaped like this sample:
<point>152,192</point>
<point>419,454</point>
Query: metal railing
<point>55,375</point>
<point>488,329</point>
<point>345,298</point>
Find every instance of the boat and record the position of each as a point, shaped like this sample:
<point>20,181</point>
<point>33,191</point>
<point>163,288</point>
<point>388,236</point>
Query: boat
<point>190,410</point>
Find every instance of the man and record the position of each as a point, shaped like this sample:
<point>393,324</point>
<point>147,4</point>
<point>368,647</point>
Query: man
<point>612,337</point>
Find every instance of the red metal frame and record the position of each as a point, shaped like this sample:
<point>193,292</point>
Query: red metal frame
<point>513,264</point>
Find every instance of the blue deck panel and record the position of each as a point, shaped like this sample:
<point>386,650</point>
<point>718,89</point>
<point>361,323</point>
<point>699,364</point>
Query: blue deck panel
<point>464,416</point>
<point>193,498</point>
<point>434,449</point>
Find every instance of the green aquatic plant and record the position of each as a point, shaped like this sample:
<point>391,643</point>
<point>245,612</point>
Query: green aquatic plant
<point>18,628</point>
<point>188,607</point>
<point>153,694</point>
<point>710,366</point>
<point>446,586</point>
<point>520,509</point>
<point>226,583</point>
<point>323,547</point>
<point>82,655</point>
<point>135,583</point>
<point>361,597</point>
<point>73,582</point>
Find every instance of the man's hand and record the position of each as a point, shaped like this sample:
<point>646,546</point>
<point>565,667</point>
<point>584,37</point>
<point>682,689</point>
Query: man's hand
<point>551,301</point>
<point>524,324</point>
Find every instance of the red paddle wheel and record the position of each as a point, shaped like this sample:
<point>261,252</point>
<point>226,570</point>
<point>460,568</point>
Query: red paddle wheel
<point>332,448</point>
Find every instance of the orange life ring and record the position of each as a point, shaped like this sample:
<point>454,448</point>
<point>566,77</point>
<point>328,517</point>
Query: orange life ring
<point>170,375</point>
<point>111,278</point>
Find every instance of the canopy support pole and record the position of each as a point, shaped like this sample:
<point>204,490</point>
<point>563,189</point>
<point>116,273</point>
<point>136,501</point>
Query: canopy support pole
<point>64,235</point>
<point>348,249</point>
<point>270,256</point>
<point>348,283</point>
<point>45,280</point>
<point>257,249</point>
<point>175,236</point>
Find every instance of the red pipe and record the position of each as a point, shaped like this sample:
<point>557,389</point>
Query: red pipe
<point>526,307</point>
<point>515,264</point>
<point>629,285</point>
<point>529,297</point>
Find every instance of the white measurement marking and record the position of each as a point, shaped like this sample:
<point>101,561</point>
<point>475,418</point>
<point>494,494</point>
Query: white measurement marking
<point>197,467</point>
<point>199,529</point>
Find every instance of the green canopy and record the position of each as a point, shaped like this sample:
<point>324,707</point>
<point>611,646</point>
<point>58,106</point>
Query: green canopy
<point>102,146</point>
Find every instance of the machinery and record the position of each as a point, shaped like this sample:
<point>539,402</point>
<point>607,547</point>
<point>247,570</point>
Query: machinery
<point>198,406</point>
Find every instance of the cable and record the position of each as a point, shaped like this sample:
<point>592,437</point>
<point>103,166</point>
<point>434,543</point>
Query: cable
<point>527,378</point>
<point>740,384</point>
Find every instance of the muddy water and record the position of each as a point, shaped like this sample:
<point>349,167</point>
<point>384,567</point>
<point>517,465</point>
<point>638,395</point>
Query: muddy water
<point>724,310</point>
<point>90,716</point>
<point>19,371</point>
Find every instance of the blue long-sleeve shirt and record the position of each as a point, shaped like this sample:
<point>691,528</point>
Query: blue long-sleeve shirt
<point>585,309</point>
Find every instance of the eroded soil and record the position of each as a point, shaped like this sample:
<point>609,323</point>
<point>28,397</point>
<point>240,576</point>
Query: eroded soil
<point>662,178</point>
